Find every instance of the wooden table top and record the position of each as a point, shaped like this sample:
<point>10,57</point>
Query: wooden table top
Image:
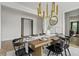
<point>37,43</point>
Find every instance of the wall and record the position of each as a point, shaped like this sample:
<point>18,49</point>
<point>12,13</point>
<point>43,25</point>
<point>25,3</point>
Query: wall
<point>67,24</point>
<point>67,7</point>
<point>20,7</point>
<point>71,9</point>
<point>58,28</point>
<point>60,24</point>
<point>11,23</point>
<point>0,25</point>
<point>63,7</point>
<point>71,13</point>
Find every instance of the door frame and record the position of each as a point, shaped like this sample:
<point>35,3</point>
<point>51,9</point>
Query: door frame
<point>22,26</point>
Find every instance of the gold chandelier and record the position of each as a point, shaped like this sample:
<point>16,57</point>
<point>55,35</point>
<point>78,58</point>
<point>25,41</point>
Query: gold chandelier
<point>44,13</point>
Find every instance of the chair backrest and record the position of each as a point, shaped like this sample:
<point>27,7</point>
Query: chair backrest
<point>67,41</point>
<point>17,43</point>
<point>58,48</point>
<point>19,47</point>
<point>15,40</point>
<point>68,38</point>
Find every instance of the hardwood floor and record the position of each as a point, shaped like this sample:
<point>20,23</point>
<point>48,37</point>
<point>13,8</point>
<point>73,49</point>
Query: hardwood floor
<point>6,47</point>
<point>75,41</point>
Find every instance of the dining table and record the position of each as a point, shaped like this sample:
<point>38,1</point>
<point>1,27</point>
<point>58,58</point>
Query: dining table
<point>37,45</point>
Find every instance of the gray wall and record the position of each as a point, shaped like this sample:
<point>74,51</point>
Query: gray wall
<point>11,23</point>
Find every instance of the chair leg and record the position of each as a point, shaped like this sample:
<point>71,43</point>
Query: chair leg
<point>69,51</point>
<point>53,53</point>
<point>49,53</point>
<point>61,54</point>
<point>65,52</point>
<point>56,54</point>
<point>29,54</point>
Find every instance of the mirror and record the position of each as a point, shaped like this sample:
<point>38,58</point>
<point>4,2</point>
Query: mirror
<point>53,20</point>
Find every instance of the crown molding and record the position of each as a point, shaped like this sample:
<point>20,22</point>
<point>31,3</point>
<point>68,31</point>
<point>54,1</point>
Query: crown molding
<point>20,7</point>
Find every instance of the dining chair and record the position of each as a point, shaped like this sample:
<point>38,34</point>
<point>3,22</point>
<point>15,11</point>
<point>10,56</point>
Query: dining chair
<point>20,49</point>
<point>55,48</point>
<point>66,44</point>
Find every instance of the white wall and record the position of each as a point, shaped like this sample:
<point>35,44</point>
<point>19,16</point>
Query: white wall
<point>58,28</point>
<point>20,7</point>
<point>67,7</point>
<point>11,23</point>
<point>60,24</point>
<point>0,25</point>
<point>63,7</point>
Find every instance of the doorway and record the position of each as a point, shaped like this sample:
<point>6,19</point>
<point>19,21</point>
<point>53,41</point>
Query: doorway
<point>26,27</point>
<point>72,26</point>
<point>75,27</point>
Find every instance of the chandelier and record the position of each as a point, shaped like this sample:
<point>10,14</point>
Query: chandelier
<point>44,13</point>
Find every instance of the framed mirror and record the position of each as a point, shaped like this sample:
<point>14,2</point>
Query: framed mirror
<point>53,20</point>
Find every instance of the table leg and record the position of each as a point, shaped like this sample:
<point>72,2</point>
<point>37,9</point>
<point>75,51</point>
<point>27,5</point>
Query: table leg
<point>38,51</point>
